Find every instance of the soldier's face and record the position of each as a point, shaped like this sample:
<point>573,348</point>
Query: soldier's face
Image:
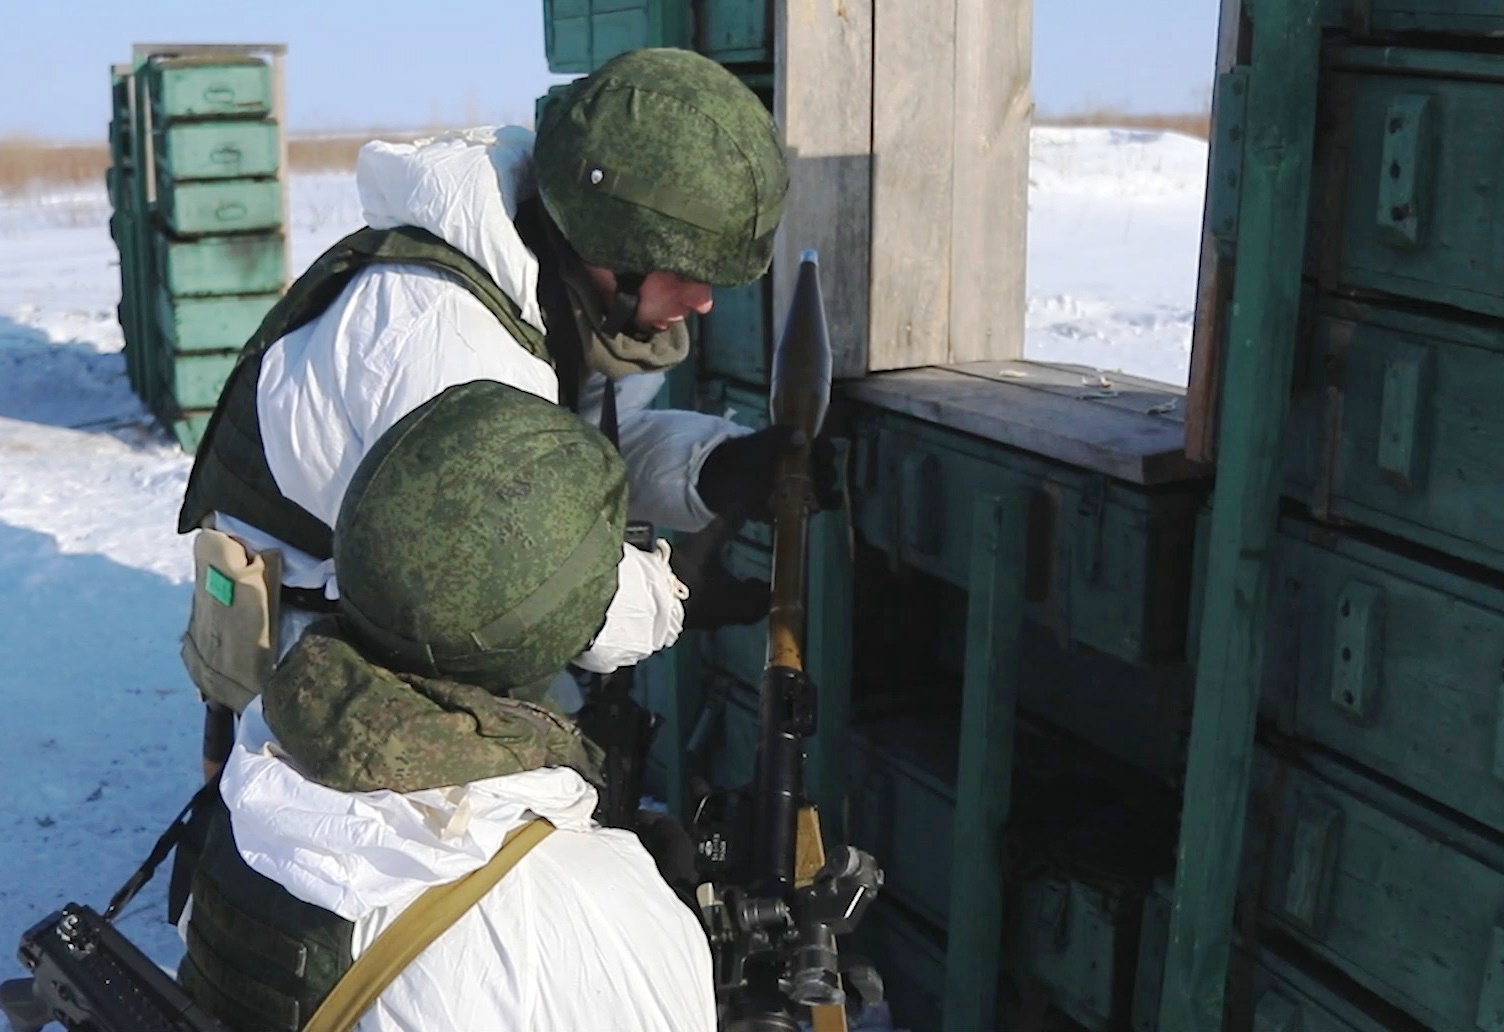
<point>664,299</point>
<point>668,298</point>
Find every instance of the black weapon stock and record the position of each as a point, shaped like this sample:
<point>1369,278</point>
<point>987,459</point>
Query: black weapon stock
<point>88,976</point>
<point>773,931</point>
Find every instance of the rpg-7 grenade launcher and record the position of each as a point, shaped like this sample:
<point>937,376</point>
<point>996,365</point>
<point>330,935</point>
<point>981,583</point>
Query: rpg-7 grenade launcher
<point>771,902</point>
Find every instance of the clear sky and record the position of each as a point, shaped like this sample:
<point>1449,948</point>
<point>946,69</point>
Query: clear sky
<point>415,64</point>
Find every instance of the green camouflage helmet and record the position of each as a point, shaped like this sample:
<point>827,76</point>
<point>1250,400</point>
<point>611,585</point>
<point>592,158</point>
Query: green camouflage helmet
<point>662,160</point>
<point>479,539</point>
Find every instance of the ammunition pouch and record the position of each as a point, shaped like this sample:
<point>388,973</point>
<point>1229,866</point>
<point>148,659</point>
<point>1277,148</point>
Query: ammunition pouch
<point>230,646</point>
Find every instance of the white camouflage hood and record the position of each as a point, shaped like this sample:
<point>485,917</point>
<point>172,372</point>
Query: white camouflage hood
<point>464,187</point>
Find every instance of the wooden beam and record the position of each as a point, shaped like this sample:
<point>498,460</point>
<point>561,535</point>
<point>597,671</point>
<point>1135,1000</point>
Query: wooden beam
<point>1214,280</point>
<point>1259,353</point>
<point>990,198</point>
<point>822,102</point>
<point>913,176</point>
<point>989,710</point>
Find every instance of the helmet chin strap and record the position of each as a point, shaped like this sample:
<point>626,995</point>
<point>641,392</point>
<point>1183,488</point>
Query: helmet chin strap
<point>618,318</point>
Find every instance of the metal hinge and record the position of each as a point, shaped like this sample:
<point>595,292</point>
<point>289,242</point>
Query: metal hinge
<point>1224,180</point>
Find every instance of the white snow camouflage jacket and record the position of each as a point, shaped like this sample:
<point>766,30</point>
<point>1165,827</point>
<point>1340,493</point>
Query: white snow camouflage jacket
<point>583,935</point>
<point>400,335</point>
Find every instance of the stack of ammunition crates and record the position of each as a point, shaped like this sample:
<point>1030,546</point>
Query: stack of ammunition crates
<point>198,186</point>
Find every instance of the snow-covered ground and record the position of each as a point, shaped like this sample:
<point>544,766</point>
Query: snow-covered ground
<point>99,725</point>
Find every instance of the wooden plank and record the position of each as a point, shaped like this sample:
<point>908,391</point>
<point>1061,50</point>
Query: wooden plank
<point>989,713</point>
<point>822,101</point>
<point>1134,446</point>
<point>913,146</point>
<point>1108,390</point>
<point>1214,284</point>
<point>990,199</point>
<point>1260,342</point>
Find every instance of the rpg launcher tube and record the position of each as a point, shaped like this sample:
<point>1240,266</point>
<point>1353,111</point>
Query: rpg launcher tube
<point>799,397</point>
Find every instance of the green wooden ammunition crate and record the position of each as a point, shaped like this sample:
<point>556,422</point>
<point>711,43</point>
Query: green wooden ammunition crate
<point>541,104</point>
<point>1075,938</point>
<point>1288,999</point>
<point>1391,662</point>
<point>238,264</point>
<point>209,87</point>
<point>1396,424</point>
<point>1110,562</point>
<point>1471,17</point>
<point>735,31</point>
<point>121,85</point>
<point>1282,996</point>
<point>219,149</point>
<point>1419,217</point>
<point>189,428</point>
<point>211,323</point>
<point>581,35</point>
<point>220,205</point>
<point>194,380</point>
<point>1398,898</point>
<point>734,335</point>
<point>909,954</point>
<point>902,793</point>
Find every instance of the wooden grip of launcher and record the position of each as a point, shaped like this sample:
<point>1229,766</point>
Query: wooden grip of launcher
<point>799,397</point>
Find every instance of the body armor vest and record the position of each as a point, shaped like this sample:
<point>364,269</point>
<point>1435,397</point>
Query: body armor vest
<point>259,958</point>
<point>230,472</point>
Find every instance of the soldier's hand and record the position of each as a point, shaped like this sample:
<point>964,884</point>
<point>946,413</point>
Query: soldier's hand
<point>738,476</point>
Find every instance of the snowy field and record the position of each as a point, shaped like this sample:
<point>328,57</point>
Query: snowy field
<point>99,724</point>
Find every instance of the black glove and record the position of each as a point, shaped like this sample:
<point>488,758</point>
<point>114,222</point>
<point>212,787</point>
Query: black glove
<point>716,598</point>
<point>737,478</point>
<point>672,850</point>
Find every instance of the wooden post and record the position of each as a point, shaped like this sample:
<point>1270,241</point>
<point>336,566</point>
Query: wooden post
<point>913,181</point>
<point>908,131</point>
<point>822,102</point>
<point>1259,355</point>
<point>990,195</point>
<point>994,618</point>
<point>1214,280</point>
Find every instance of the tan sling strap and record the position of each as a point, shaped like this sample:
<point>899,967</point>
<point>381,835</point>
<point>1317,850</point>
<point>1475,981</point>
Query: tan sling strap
<point>417,926</point>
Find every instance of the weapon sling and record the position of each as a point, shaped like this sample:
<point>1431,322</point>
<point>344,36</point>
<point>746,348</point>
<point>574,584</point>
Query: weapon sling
<point>416,927</point>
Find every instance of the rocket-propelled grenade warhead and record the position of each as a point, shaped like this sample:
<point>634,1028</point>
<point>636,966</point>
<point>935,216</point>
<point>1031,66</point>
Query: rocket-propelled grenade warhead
<point>800,390</point>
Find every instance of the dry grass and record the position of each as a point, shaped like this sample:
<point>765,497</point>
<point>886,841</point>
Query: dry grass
<point>1191,123</point>
<point>27,163</point>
